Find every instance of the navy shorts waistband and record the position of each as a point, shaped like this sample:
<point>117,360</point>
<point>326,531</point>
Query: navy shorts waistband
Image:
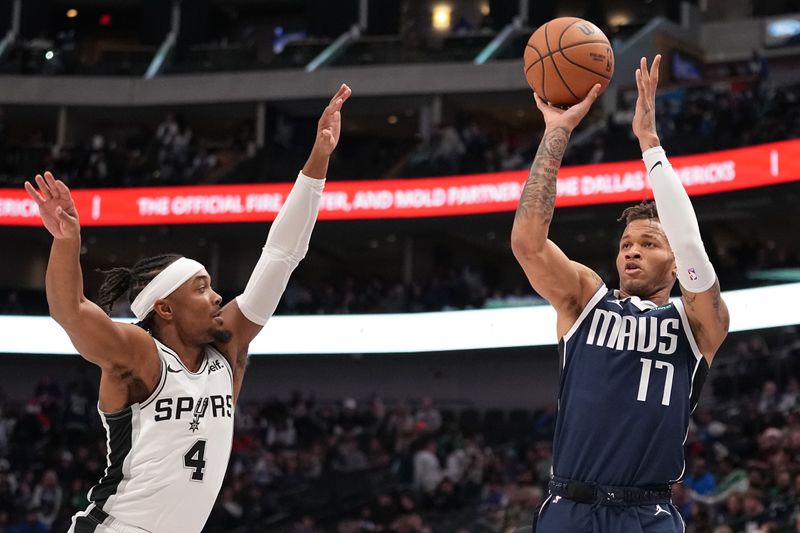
<point>588,492</point>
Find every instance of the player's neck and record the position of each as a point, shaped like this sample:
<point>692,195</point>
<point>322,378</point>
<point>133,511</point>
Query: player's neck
<point>191,354</point>
<point>660,297</point>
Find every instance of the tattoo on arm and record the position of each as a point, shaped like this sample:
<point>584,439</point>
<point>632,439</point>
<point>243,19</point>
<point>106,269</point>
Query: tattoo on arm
<point>721,311</point>
<point>539,194</point>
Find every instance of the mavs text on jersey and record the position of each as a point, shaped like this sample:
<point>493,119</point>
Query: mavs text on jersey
<point>631,375</point>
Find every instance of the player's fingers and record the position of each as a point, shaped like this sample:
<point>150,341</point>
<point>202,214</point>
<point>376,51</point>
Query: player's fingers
<point>654,71</point>
<point>346,94</point>
<point>33,193</point>
<point>43,189</point>
<point>639,82</point>
<point>584,105</point>
<point>62,214</point>
<point>339,93</point>
<point>62,189</point>
<point>51,184</point>
<point>643,68</point>
<point>539,102</point>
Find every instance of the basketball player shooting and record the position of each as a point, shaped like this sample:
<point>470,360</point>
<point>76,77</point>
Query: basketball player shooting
<point>169,384</point>
<point>632,362</point>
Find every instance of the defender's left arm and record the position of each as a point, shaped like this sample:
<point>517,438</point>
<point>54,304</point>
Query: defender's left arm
<point>287,244</point>
<point>706,311</point>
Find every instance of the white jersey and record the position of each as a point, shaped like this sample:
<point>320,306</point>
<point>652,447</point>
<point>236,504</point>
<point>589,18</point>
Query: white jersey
<point>167,455</point>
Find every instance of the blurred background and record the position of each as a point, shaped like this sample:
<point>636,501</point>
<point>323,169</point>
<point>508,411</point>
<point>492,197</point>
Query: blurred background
<point>123,94</point>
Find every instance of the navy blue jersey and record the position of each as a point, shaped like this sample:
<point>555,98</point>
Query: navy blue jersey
<point>631,375</point>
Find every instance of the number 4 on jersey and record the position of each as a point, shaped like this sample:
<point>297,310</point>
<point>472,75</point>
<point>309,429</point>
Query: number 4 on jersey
<point>195,459</point>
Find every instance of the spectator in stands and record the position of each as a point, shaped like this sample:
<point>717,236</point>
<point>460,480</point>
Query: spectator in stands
<point>31,523</point>
<point>427,469</point>
<point>47,498</point>
<point>428,415</point>
<point>700,480</point>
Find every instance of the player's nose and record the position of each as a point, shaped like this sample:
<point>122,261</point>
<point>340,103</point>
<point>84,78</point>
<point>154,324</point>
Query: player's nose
<point>633,252</point>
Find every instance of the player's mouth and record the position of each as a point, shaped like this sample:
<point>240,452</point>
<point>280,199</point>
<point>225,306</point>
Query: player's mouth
<point>632,268</point>
<point>217,316</point>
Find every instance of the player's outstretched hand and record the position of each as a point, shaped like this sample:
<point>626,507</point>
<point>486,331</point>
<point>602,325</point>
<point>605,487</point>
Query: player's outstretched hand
<point>55,206</point>
<point>330,123</point>
<point>555,117</point>
<point>644,118</point>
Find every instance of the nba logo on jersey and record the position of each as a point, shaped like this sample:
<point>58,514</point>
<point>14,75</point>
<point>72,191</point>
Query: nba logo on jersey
<point>692,274</point>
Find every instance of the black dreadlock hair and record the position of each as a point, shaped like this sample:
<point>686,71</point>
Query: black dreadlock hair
<point>121,281</point>
<point>643,211</point>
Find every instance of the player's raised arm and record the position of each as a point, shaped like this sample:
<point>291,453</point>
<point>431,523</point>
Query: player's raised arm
<point>567,285</point>
<point>110,345</point>
<point>287,242</point>
<point>705,309</point>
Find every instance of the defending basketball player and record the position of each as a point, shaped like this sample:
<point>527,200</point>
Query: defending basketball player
<point>632,362</point>
<point>169,385</point>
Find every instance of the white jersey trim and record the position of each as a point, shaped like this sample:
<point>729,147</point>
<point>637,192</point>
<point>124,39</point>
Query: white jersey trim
<point>698,359</point>
<point>687,326</point>
<point>598,295</point>
<point>200,371</point>
<point>126,463</point>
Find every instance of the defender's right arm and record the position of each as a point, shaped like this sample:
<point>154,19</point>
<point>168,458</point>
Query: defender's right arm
<point>110,345</point>
<point>567,285</point>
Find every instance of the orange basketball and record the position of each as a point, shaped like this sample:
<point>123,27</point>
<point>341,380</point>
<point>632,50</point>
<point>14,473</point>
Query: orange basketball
<point>565,57</point>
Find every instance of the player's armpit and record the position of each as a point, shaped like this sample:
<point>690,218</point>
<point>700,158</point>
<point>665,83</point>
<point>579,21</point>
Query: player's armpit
<point>108,344</point>
<point>566,284</point>
<point>708,317</point>
<point>237,349</point>
<point>242,328</point>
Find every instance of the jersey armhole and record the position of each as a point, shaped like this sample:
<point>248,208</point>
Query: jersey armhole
<point>601,291</point>
<point>688,327</point>
<point>161,382</point>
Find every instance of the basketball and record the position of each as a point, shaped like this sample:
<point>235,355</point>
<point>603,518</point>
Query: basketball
<point>565,57</point>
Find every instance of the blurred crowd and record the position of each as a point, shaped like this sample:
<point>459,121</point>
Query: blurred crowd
<point>473,284</point>
<point>305,465</point>
<point>692,119</point>
<point>169,154</point>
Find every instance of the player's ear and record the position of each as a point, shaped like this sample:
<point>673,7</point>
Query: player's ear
<point>163,309</point>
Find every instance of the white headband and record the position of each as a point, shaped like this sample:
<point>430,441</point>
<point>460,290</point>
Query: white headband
<point>164,284</point>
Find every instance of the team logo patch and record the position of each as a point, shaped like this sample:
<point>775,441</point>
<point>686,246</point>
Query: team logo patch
<point>692,274</point>
<point>216,365</point>
<point>199,412</point>
<point>617,302</point>
<point>660,510</point>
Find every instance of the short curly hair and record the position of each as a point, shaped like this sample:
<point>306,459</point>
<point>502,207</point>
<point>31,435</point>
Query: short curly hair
<point>643,211</point>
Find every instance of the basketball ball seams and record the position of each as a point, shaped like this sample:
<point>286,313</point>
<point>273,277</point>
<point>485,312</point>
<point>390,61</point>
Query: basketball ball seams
<point>549,53</point>
<point>553,61</point>
<point>545,56</point>
<point>575,81</point>
<point>561,37</point>
<point>561,49</point>
<point>529,45</point>
<point>563,81</point>
<point>587,69</point>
